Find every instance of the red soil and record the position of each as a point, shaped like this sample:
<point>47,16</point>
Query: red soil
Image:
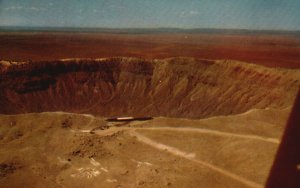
<point>268,50</point>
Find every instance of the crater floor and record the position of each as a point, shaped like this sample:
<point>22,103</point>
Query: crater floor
<point>57,149</point>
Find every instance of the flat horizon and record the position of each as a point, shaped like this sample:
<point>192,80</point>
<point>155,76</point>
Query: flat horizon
<point>140,29</point>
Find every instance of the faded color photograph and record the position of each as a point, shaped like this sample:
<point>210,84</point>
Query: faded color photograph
<point>149,93</point>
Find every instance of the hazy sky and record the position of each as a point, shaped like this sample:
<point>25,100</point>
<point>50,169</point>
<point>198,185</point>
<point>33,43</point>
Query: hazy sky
<point>244,14</point>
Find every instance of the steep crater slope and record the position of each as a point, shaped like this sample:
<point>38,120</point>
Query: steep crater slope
<point>176,87</point>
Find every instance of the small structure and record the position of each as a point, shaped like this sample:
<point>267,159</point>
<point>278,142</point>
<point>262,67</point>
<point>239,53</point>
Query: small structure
<point>116,119</point>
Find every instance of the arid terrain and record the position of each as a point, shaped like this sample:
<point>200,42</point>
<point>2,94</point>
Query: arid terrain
<point>57,150</point>
<point>175,87</point>
<point>219,105</point>
<point>271,50</point>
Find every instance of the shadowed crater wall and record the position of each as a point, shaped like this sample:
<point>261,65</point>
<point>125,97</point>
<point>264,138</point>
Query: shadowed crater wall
<point>177,87</point>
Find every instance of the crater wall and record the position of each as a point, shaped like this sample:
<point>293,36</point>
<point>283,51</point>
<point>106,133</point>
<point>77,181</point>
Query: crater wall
<point>175,87</point>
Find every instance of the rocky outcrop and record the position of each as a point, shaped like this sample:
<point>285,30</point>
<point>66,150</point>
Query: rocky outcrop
<point>178,87</point>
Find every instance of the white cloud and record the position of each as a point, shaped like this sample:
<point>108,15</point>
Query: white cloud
<point>182,14</point>
<point>18,8</point>
<point>192,12</point>
<point>117,7</point>
<point>188,13</point>
<point>11,20</point>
